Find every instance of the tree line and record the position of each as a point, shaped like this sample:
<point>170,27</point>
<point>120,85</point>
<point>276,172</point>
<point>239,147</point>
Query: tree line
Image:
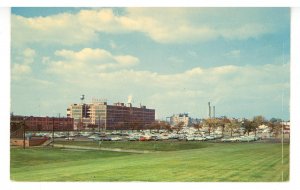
<point>230,125</point>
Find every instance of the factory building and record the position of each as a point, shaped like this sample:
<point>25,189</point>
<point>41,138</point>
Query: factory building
<point>100,115</point>
<point>182,117</point>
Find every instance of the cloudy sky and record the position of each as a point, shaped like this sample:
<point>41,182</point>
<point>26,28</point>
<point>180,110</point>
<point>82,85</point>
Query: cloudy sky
<point>174,60</point>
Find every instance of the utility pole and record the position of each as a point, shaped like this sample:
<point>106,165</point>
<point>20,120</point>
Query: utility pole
<point>52,131</point>
<point>99,123</point>
<point>209,110</point>
<point>59,122</point>
<point>24,133</point>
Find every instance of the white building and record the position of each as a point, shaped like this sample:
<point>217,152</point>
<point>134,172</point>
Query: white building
<point>182,117</point>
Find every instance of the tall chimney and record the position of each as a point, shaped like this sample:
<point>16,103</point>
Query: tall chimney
<point>209,110</point>
<point>214,111</point>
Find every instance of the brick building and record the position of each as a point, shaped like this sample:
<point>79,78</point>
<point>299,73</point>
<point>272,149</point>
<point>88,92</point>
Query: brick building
<point>104,116</point>
<point>33,123</point>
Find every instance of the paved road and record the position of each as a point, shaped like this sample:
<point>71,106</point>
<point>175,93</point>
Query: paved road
<point>106,149</point>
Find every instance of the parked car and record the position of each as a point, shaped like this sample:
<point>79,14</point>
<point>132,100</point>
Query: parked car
<point>115,138</point>
<point>133,138</point>
<point>247,138</point>
<point>106,138</point>
<point>190,138</point>
<point>69,138</point>
<point>198,138</point>
<point>210,137</point>
<point>93,136</point>
<point>225,140</point>
<point>182,137</point>
<point>97,139</point>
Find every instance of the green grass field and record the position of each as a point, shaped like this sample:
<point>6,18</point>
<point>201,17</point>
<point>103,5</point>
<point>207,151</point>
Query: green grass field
<point>192,161</point>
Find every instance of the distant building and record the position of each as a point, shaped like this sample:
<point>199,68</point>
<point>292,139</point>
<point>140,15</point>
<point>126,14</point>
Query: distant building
<point>34,123</point>
<point>286,127</point>
<point>182,117</point>
<point>195,121</point>
<point>103,116</point>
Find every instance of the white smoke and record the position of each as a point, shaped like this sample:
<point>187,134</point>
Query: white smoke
<point>129,99</point>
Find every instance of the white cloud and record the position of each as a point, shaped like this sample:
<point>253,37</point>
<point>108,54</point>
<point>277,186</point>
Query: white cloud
<point>28,52</point>
<point>22,62</point>
<point>126,60</point>
<point>163,25</point>
<point>89,61</point>
<point>195,71</point>
<point>227,69</point>
<point>99,72</point>
<point>169,92</point>
<point>58,29</point>
<point>20,69</point>
<point>231,88</point>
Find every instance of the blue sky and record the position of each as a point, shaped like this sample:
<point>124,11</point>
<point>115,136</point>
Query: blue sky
<point>171,59</point>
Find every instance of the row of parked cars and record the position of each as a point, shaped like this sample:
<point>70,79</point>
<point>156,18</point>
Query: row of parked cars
<point>171,136</point>
<point>241,139</point>
<point>186,137</point>
<point>147,136</point>
<point>104,138</point>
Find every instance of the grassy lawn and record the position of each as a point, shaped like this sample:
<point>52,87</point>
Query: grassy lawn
<point>209,162</point>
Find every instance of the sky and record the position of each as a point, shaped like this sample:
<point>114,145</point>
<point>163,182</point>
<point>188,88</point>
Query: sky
<point>173,60</point>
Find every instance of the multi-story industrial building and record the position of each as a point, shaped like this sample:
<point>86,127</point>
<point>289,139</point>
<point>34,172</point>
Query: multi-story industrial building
<point>33,123</point>
<point>103,116</point>
<point>182,117</point>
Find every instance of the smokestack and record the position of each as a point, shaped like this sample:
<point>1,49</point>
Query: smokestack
<point>209,110</point>
<point>214,111</point>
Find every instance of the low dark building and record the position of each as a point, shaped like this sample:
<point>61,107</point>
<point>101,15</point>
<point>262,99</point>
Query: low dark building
<point>33,123</point>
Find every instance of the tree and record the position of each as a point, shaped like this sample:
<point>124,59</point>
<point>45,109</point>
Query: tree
<point>135,126</point>
<point>275,127</point>
<point>257,121</point>
<point>197,126</point>
<point>155,125</point>
<point>254,124</point>
<point>233,125</point>
<point>211,123</point>
<point>223,122</point>
<point>179,126</point>
<point>248,125</point>
<point>166,126</point>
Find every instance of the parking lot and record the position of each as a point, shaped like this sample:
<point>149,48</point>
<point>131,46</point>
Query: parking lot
<point>147,135</point>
